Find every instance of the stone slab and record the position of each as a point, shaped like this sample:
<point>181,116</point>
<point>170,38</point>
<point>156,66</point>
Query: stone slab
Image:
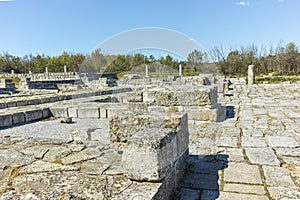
<point>231,196</point>
<point>277,177</point>
<point>262,156</point>
<point>227,142</point>
<point>42,166</point>
<point>86,154</point>
<point>246,189</point>
<point>284,193</point>
<point>242,173</point>
<point>253,142</point>
<point>282,141</point>
<point>201,181</point>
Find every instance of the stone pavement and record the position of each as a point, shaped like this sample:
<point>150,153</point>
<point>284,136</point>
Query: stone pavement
<point>254,154</point>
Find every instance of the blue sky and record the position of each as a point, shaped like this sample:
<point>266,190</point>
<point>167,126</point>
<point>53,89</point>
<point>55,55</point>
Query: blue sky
<point>77,26</point>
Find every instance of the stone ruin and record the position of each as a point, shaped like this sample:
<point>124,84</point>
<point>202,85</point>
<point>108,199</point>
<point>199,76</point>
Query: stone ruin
<point>148,121</point>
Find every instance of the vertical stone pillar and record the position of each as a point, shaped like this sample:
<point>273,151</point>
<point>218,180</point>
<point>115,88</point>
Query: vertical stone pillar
<point>30,72</point>
<point>12,71</point>
<point>65,69</point>
<point>180,70</point>
<point>147,72</point>
<point>47,70</point>
<point>251,74</point>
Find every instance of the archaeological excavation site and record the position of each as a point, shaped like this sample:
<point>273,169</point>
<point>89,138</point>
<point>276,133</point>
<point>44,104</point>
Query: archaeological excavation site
<point>82,136</point>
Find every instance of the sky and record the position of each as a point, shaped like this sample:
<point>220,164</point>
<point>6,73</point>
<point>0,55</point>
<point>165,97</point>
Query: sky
<point>51,27</point>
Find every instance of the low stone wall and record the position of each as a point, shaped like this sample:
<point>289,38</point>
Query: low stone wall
<point>7,120</point>
<point>60,97</point>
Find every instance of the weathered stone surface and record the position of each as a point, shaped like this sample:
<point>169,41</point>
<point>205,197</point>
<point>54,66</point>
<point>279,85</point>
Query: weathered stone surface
<point>227,141</point>
<point>182,96</point>
<point>284,193</point>
<point>282,141</point>
<point>278,177</point>
<point>59,112</point>
<point>56,153</point>
<point>149,154</point>
<point>201,181</point>
<point>32,115</point>
<point>188,194</point>
<point>242,173</point>
<point>253,142</point>
<point>247,189</point>
<point>5,120</point>
<point>262,156</point>
<point>18,118</point>
<point>135,97</point>
<point>11,157</point>
<point>42,166</point>
<point>88,112</point>
<point>86,154</point>
<point>36,152</point>
<point>72,112</point>
<point>231,196</point>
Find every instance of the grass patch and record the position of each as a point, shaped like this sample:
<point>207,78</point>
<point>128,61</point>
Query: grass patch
<point>277,79</point>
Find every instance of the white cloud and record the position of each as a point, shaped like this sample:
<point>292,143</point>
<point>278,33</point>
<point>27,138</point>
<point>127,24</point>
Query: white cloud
<point>243,3</point>
<point>280,1</point>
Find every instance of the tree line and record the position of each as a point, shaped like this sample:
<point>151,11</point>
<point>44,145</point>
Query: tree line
<point>281,60</point>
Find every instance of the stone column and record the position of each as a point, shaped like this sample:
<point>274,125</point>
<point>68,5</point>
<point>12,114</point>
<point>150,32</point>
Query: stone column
<point>180,70</point>
<point>65,69</point>
<point>47,70</point>
<point>251,74</point>
<point>147,72</point>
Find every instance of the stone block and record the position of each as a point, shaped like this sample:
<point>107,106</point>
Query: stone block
<point>2,105</point>
<point>137,107</point>
<point>88,113</point>
<point>53,99</point>
<point>72,112</point>
<point>22,103</point>
<point>33,115</point>
<point>59,112</point>
<point>201,113</point>
<point>114,111</point>
<point>33,101</point>
<point>61,97</point>
<point>156,109</point>
<point>103,113</point>
<point>5,120</point>
<point>46,113</point>
<point>45,100</point>
<point>149,154</point>
<point>11,104</point>
<point>181,97</point>
<point>18,118</point>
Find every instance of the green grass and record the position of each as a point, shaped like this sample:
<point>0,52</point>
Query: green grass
<point>277,79</point>
<point>15,80</point>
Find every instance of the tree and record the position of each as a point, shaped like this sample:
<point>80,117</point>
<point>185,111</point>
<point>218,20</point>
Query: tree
<point>195,60</point>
